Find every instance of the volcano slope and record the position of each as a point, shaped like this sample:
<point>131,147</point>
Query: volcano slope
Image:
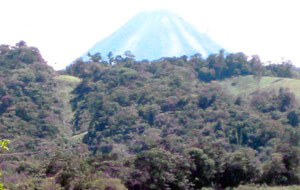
<point>155,34</point>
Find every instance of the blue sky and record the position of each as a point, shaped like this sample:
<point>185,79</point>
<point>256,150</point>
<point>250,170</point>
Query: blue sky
<point>65,29</point>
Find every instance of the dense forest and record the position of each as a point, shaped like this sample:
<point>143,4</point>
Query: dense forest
<point>177,123</point>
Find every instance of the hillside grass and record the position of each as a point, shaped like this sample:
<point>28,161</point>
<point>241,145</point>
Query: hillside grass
<point>245,85</point>
<point>78,138</point>
<point>65,85</point>
<point>255,187</point>
<point>268,188</point>
<point>68,79</point>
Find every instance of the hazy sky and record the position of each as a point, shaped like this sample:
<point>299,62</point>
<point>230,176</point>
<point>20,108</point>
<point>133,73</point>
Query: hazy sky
<point>65,29</point>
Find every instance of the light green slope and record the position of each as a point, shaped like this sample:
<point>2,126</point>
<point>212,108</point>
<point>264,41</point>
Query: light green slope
<point>254,187</point>
<point>246,85</point>
<point>65,85</point>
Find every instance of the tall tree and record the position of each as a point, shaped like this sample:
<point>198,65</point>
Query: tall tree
<point>96,57</point>
<point>110,57</point>
<point>257,69</point>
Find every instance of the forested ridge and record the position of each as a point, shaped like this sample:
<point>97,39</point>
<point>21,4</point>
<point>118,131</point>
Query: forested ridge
<point>29,111</point>
<point>181,123</point>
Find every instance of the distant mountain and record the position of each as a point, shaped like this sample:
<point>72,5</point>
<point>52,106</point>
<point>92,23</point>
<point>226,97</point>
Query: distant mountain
<point>155,34</point>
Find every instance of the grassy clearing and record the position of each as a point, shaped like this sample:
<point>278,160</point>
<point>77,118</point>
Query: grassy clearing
<point>79,137</point>
<point>68,78</point>
<point>255,187</point>
<point>248,84</point>
<point>65,85</point>
<point>268,188</point>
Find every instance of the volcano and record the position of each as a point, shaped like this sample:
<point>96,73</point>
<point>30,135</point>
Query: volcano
<point>155,34</point>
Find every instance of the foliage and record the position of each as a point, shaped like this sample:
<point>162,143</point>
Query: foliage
<point>171,107</point>
<point>167,124</point>
<point>283,169</point>
<point>202,168</point>
<point>29,109</point>
<point>238,168</point>
<point>3,146</point>
<point>159,169</point>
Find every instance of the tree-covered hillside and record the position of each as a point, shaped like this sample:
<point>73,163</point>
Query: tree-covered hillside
<point>29,110</point>
<point>172,124</point>
<point>176,111</point>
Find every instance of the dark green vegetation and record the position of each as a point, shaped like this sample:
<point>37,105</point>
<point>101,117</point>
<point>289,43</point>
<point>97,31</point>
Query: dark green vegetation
<point>176,123</point>
<point>29,112</point>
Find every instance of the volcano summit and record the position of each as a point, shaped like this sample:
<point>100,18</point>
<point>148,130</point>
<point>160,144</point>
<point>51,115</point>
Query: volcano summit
<point>155,34</point>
